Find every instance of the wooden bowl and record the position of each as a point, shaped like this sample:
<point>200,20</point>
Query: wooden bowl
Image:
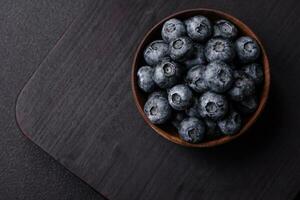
<point>169,132</point>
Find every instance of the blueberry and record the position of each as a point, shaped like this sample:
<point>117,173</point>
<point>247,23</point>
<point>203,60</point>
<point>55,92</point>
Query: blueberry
<point>225,29</point>
<point>195,78</point>
<point>218,76</point>
<point>254,71</point>
<point>180,97</point>
<point>155,52</point>
<point>172,29</point>
<point>167,73</point>
<point>192,130</point>
<point>243,87</point>
<point>247,49</point>
<point>193,110</point>
<point>145,81</point>
<point>219,49</point>
<point>231,124</point>
<point>177,119</point>
<point>159,93</point>
<point>212,129</point>
<point>197,57</point>
<point>248,105</point>
<point>157,109</point>
<point>212,105</point>
<point>198,28</point>
<point>181,48</point>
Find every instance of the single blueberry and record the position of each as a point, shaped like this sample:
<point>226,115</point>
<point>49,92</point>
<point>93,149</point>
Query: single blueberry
<point>145,78</point>
<point>155,52</point>
<point>198,28</point>
<point>243,87</point>
<point>212,105</point>
<point>247,49</point>
<point>218,76</point>
<point>177,119</point>
<point>180,97</point>
<point>212,129</point>
<point>225,29</point>
<point>219,49</point>
<point>157,109</point>
<point>167,73</point>
<point>248,105</point>
<point>230,124</point>
<point>197,57</point>
<point>193,110</point>
<point>159,93</point>
<point>254,71</point>
<point>195,78</point>
<point>172,29</point>
<point>192,130</point>
<point>181,48</point>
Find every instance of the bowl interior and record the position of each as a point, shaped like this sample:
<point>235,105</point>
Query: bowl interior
<point>168,131</point>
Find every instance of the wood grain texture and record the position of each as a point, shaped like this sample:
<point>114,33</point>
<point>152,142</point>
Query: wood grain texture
<point>28,31</point>
<point>79,108</point>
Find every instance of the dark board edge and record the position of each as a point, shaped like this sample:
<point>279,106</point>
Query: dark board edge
<point>18,115</point>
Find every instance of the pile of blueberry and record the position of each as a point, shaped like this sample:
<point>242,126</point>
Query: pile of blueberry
<point>203,77</point>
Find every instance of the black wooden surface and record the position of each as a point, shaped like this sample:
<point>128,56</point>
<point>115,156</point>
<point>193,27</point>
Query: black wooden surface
<point>28,31</point>
<point>78,107</point>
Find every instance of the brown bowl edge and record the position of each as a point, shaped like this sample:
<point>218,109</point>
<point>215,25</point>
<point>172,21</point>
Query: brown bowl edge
<point>250,120</point>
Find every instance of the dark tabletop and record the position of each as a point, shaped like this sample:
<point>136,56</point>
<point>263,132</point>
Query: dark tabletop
<point>29,33</point>
<point>78,107</point>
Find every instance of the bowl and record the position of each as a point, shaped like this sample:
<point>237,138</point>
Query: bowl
<point>168,131</point>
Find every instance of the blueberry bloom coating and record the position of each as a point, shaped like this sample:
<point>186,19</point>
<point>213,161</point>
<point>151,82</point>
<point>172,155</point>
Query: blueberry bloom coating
<point>254,71</point>
<point>193,110</point>
<point>145,81</point>
<point>180,97</point>
<point>167,73</point>
<point>219,49</point>
<point>199,28</point>
<point>218,76</point>
<point>172,29</point>
<point>247,49</point>
<point>195,78</point>
<point>177,119</point>
<point>201,77</point>
<point>212,105</point>
<point>192,130</point>
<point>231,124</point>
<point>181,48</point>
<point>225,29</point>
<point>248,105</point>
<point>155,52</point>
<point>157,110</point>
<point>242,88</point>
<point>159,93</point>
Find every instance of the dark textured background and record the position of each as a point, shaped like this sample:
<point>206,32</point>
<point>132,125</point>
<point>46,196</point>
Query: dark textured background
<point>28,31</point>
<point>78,107</point>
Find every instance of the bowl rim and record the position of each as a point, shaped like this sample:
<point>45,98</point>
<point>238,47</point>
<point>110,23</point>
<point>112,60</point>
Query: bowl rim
<point>262,99</point>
